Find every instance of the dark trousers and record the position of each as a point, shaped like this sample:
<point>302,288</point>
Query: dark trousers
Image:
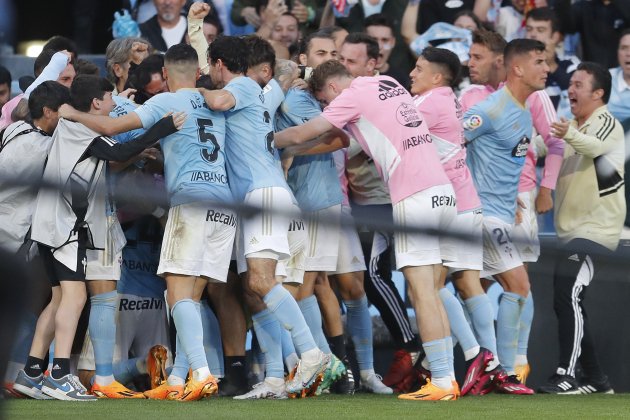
<point>574,272</point>
<point>379,287</point>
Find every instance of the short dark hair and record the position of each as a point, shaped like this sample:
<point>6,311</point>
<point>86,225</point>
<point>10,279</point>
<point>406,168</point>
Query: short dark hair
<point>306,42</point>
<point>232,51</point>
<point>180,53</point>
<point>140,76</point>
<point>379,19</point>
<point>470,14</point>
<point>601,77</point>
<point>82,66</point>
<point>489,39</point>
<point>87,87</point>
<point>371,45</point>
<point>60,43</point>
<point>331,30</point>
<point>260,51</point>
<point>5,76</point>
<point>624,33</point>
<point>521,46</point>
<point>324,71</point>
<point>42,61</point>
<point>446,60</point>
<point>49,94</point>
<point>545,14</point>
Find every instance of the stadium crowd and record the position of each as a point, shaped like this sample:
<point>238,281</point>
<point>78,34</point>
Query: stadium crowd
<point>218,181</point>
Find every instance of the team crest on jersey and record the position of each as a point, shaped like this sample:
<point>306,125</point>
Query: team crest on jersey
<point>473,122</point>
<point>408,115</point>
<point>520,150</point>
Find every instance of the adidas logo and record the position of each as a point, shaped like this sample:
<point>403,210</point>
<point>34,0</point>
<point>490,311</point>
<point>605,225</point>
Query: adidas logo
<point>575,258</point>
<point>34,367</point>
<point>56,367</point>
<point>389,89</point>
<point>355,260</point>
<point>253,241</point>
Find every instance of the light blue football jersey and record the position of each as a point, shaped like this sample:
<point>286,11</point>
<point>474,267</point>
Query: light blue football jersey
<point>273,98</point>
<point>313,179</point>
<point>194,157</point>
<point>497,132</point>
<point>123,107</point>
<point>140,259</point>
<point>252,159</point>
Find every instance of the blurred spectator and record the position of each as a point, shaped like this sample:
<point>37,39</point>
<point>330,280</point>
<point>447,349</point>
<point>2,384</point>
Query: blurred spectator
<point>599,23</point>
<point>400,56</point>
<point>120,54</point>
<point>509,21</point>
<point>167,27</point>
<point>380,27</point>
<point>337,33</point>
<point>307,12</point>
<point>434,11</point>
<point>82,66</point>
<point>466,19</point>
<point>5,86</point>
<point>619,103</point>
<point>542,25</point>
<point>141,10</point>
<point>286,30</point>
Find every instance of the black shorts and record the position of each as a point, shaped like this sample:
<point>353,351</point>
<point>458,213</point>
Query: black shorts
<point>56,271</point>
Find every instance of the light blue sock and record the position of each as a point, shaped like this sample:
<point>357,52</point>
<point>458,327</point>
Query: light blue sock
<point>482,316</point>
<point>288,348</point>
<point>269,335</point>
<point>510,309</point>
<point>126,370</point>
<point>448,341</point>
<point>437,356</point>
<point>525,326</point>
<point>23,337</point>
<point>285,308</point>
<point>313,318</point>
<point>190,332</point>
<point>459,324</point>
<point>212,344</point>
<point>180,364</point>
<point>359,324</point>
<point>102,327</point>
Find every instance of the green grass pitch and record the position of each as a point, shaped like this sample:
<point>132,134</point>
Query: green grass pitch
<point>360,406</point>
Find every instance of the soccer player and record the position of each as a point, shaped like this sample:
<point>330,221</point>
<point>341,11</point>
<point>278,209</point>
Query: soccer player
<point>590,211</point>
<point>436,73</point>
<point>197,185</point>
<point>499,127</point>
<point>257,180</point>
<point>487,72</point>
<point>68,222</point>
<point>371,108</point>
<point>314,181</point>
<point>370,199</point>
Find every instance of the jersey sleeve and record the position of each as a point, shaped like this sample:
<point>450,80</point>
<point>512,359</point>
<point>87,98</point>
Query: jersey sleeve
<point>151,111</point>
<point>298,108</point>
<point>343,109</point>
<point>243,94</point>
<point>476,123</point>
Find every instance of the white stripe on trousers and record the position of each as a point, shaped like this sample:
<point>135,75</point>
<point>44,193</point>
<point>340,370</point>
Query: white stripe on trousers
<point>583,279</point>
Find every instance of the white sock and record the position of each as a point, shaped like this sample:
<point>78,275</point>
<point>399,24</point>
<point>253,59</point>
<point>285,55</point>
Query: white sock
<point>173,380</point>
<point>274,382</point>
<point>201,374</point>
<point>312,356</point>
<point>365,374</point>
<point>471,353</point>
<point>103,380</point>
<point>443,382</point>
<point>521,359</point>
<point>492,364</point>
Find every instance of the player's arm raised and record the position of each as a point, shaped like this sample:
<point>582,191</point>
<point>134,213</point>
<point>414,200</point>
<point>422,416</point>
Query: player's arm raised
<point>218,100</point>
<point>101,123</point>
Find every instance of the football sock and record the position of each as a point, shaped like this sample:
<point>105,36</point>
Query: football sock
<point>236,370</point>
<point>288,350</point>
<point>60,368</point>
<point>337,346</point>
<point>482,316</point>
<point>211,339</point>
<point>190,331</point>
<point>33,367</point>
<point>525,326</point>
<point>285,308</point>
<point>269,335</point>
<point>359,324</point>
<point>459,324</point>
<point>102,328</point>
<point>313,318</point>
<point>437,357</point>
<point>510,309</point>
<point>177,375</point>
<point>449,354</point>
<point>126,370</point>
